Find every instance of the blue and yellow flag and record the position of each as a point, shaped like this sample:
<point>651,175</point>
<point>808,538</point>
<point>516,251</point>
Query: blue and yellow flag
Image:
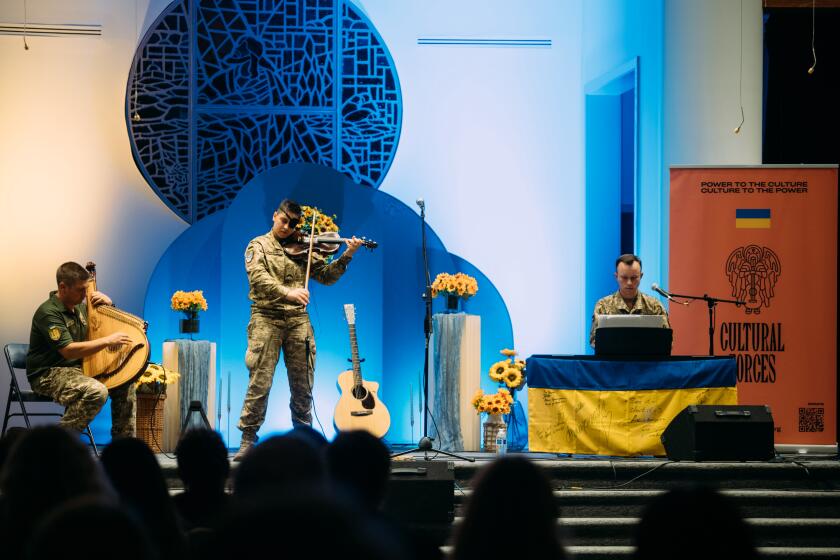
<point>598,407</point>
<point>752,218</point>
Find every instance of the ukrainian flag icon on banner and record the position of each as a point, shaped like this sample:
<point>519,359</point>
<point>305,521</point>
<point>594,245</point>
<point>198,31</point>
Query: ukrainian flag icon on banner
<point>752,218</point>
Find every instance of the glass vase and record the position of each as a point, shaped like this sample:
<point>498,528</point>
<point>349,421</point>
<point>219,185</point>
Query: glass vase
<point>491,428</point>
<point>453,303</point>
<point>190,324</point>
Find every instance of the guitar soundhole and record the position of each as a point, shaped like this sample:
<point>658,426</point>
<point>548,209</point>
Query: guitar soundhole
<point>360,392</point>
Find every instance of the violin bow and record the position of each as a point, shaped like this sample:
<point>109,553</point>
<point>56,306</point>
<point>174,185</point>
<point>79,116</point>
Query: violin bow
<point>311,244</point>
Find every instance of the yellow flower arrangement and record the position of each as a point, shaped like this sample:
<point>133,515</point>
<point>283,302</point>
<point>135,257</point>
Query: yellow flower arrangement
<point>323,224</point>
<point>510,375</point>
<point>511,371</point>
<point>458,284</point>
<point>493,403</point>
<point>155,376</point>
<point>189,302</point>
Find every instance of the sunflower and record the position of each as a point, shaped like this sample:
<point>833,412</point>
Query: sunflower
<point>498,369</point>
<point>506,395</point>
<point>509,352</point>
<point>512,377</point>
<point>476,400</point>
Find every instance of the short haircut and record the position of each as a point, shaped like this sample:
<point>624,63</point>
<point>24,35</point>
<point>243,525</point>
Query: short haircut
<point>290,207</point>
<point>70,273</point>
<point>628,259</point>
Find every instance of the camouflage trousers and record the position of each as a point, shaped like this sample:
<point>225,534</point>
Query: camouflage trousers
<point>266,337</point>
<point>83,398</point>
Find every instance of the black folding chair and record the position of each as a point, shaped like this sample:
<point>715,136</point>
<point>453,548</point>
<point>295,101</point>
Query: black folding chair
<point>16,359</point>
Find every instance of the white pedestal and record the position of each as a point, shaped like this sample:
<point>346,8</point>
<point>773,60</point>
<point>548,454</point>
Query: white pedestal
<point>469,379</point>
<point>172,408</point>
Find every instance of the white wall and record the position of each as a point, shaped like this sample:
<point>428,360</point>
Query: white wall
<point>689,70</point>
<point>702,68</point>
<point>492,140</point>
<point>69,188</point>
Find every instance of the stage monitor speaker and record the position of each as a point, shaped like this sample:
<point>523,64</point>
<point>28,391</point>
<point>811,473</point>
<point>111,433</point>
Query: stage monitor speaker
<point>421,492</point>
<point>720,433</point>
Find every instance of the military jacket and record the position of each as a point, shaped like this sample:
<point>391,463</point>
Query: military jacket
<point>54,327</point>
<point>614,304</point>
<point>272,274</point>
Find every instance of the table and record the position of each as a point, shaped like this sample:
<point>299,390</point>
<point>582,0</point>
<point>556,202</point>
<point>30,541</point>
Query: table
<point>614,406</point>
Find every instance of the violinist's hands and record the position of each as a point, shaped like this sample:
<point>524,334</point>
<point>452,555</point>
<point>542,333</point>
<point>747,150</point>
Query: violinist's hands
<point>98,298</point>
<point>298,295</point>
<point>353,245</point>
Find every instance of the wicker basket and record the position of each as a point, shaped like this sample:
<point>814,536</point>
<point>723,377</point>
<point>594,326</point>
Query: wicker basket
<point>492,426</point>
<point>150,419</point>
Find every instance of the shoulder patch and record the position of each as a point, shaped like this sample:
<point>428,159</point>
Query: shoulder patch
<point>55,334</point>
<point>249,255</point>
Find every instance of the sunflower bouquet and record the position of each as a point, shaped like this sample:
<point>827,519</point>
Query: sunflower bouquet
<point>511,371</point>
<point>510,374</point>
<point>493,403</point>
<point>458,284</point>
<point>322,224</point>
<point>154,378</point>
<point>189,302</point>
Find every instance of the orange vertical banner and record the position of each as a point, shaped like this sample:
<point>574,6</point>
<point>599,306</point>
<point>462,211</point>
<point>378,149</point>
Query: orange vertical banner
<point>767,236</point>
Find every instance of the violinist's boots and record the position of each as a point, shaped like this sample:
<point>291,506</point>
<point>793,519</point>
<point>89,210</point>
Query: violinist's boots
<point>249,439</point>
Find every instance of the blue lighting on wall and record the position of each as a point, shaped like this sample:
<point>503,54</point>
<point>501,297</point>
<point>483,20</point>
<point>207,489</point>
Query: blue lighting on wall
<point>241,106</point>
<point>385,285</point>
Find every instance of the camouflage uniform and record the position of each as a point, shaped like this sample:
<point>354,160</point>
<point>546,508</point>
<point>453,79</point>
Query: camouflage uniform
<point>614,304</point>
<point>50,375</point>
<point>276,324</point>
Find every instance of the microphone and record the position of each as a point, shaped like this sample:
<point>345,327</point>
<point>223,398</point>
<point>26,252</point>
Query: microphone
<point>421,203</point>
<point>660,291</point>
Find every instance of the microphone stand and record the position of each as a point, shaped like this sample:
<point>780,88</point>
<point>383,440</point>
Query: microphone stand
<point>711,302</point>
<point>425,443</point>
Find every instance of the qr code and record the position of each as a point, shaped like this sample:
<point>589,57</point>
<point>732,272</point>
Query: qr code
<point>811,419</point>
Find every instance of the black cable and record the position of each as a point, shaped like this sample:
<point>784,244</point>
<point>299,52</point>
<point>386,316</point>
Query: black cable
<point>317,313</point>
<point>311,379</point>
<point>634,479</point>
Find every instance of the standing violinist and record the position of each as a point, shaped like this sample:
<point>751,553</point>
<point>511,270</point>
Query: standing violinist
<point>279,319</point>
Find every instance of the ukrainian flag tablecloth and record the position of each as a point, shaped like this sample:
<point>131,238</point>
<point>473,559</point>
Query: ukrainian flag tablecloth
<point>589,405</point>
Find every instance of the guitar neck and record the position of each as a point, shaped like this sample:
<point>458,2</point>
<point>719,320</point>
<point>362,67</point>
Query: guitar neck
<point>354,356</point>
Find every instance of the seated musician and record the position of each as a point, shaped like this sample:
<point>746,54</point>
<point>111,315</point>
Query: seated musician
<point>57,344</point>
<point>628,300</point>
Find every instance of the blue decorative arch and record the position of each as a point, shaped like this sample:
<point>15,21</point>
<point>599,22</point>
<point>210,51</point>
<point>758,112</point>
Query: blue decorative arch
<point>221,91</point>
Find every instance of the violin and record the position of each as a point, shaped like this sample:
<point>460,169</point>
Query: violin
<point>327,243</point>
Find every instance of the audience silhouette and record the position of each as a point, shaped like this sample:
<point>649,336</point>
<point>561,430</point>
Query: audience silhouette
<point>46,467</point>
<point>693,522</point>
<point>302,497</point>
<point>203,468</point>
<point>91,528</point>
<point>512,513</point>
<point>137,477</point>
<point>276,464</point>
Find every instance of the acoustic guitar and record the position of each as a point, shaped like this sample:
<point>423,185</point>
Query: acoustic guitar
<point>359,408</point>
<point>117,365</point>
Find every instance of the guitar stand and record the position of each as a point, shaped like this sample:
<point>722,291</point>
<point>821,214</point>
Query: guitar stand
<point>195,406</point>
